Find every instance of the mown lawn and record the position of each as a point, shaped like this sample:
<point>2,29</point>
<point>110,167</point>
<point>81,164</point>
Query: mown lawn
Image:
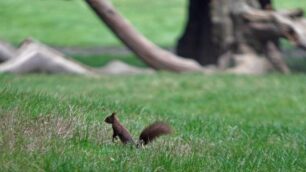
<point>71,23</point>
<point>220,122</point>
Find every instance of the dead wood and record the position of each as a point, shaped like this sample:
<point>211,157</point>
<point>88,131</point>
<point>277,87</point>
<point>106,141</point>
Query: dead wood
<point>7,51</point>
<point>275,57</point>
<point>287,24</point>
<point>250,64</point>
<point>35,57</point>
<point>151,54</point>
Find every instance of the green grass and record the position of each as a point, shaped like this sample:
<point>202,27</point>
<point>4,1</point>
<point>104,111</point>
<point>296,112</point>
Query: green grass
<point>284,4</point>
<point>99,61</point>
<point>71,23</point>
<point>221,122</point>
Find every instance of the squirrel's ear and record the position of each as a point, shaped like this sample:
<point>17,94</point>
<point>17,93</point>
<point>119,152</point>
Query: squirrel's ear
<point>114,113</point>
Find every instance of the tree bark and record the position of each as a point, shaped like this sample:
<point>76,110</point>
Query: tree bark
<point>211,29</point>
<point>275,57</point>
<point>266,4</point>
<point>197,39</point>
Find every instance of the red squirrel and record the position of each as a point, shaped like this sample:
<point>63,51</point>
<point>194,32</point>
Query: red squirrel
<point>147,135</point>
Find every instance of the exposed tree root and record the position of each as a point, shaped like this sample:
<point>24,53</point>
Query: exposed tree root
<point>34,57</point>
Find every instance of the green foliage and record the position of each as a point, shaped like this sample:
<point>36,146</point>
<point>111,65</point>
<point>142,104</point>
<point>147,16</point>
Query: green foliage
<point>221,123</point>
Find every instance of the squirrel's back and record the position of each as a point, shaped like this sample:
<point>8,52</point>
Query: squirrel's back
<point>153,131</point>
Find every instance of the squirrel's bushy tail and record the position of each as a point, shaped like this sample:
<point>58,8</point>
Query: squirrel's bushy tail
<point>153,131</point>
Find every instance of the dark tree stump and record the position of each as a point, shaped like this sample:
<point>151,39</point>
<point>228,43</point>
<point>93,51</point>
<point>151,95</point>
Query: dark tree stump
<point>197,39</point>
<point>209,30</point>
<point>266,4</point>
<point>236,31</point>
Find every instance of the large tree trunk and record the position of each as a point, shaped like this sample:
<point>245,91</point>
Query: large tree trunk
<point>197,39</point>
<point>266,4</point>
<point>230,28</point>
<point>213,27</point>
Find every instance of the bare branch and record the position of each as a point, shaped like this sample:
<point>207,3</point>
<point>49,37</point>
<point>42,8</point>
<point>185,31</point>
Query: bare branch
<point>275,57</point>
<point>293,29</point>
<point>294,13</point>
<point>142,47</point>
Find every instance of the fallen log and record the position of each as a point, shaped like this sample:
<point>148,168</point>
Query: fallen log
<point>35,57</point>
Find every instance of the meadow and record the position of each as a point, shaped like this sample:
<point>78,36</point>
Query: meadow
<point>220,122</point>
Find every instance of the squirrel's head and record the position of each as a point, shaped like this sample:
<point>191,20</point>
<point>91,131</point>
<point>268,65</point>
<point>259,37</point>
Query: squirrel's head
<point>110,119</point>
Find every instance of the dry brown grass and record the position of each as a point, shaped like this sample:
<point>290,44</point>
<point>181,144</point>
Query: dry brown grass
<point>39,133</point>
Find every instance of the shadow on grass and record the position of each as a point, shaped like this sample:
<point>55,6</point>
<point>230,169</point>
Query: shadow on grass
<point>99,61</point>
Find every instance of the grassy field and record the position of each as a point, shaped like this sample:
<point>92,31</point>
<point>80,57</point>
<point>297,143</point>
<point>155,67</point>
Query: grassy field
<point>99,61</point>
<point>71,23</point>
<point>221,123</point>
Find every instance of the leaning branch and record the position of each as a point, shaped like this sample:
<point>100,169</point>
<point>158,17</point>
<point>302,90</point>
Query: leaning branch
<point>151,54</point>
<point>276,59</point>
